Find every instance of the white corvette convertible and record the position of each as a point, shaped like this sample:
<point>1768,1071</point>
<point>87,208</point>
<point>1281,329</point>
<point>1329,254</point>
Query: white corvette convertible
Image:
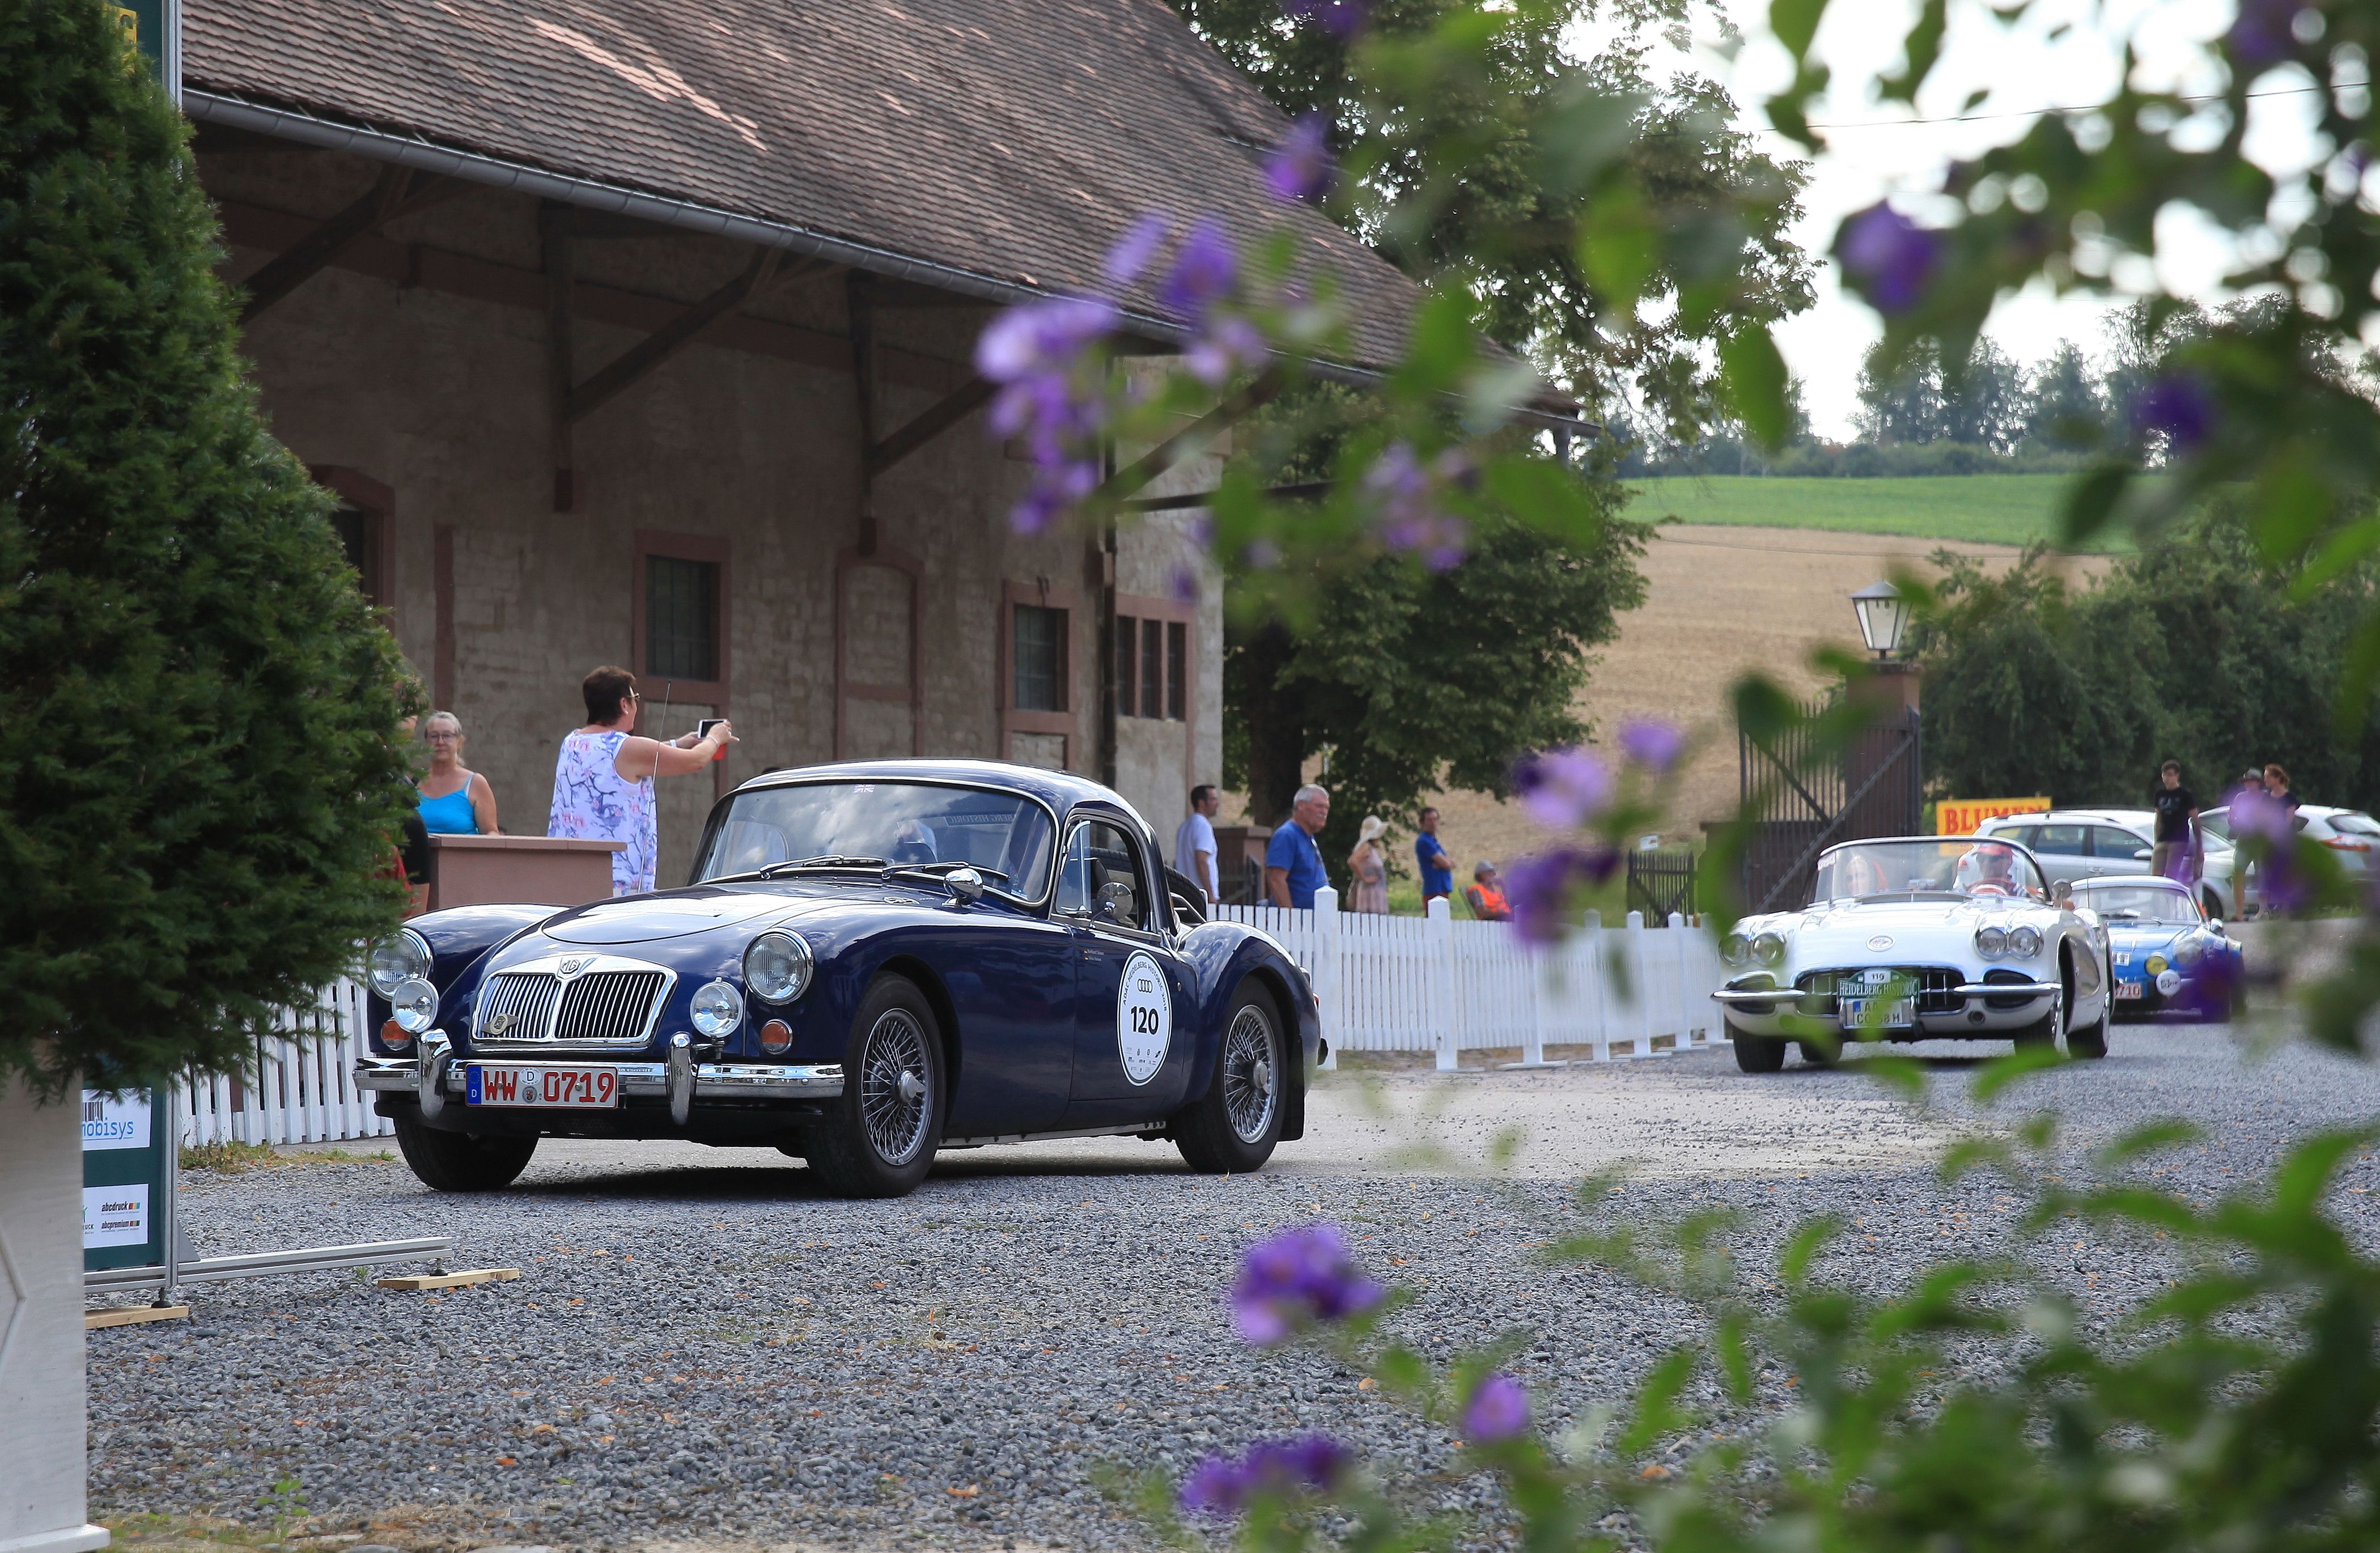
<point>1925,938</point>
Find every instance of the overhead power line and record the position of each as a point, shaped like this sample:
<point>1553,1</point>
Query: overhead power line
<point>2036,113</point>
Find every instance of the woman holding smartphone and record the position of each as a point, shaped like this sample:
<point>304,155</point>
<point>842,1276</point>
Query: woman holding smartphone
<point>603,779</point>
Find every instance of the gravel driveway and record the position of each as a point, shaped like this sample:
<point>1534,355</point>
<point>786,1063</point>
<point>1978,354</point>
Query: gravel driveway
<point>702,1350</point>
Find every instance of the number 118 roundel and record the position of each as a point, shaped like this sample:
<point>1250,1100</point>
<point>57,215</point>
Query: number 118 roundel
<point>871,963</point>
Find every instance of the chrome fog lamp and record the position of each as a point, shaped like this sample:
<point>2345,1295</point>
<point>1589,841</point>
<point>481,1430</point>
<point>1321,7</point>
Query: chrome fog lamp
<point>1768,949</point>
<point>1735,949</point>
<point>1991,942</point>
<point>398,957</point>
<point>718,1007</point>
<point>2024,942</point>
<point>413,1005</point>
<point>777,967</point>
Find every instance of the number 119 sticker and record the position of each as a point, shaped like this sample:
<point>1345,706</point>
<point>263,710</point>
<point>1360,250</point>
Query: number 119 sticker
<point>1144,1018</point>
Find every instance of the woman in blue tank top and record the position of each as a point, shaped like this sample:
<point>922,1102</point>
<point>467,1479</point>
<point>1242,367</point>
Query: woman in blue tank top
<point>454,801</point>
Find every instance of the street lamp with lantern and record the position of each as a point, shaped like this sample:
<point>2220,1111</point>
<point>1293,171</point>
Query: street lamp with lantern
<point>1883,616</point>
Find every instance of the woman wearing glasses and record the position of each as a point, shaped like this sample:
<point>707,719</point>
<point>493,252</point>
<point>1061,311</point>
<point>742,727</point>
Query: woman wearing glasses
<point>455,801</point>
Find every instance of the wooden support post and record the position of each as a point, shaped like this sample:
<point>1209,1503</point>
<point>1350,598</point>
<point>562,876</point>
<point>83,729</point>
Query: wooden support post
<point>952,408</point>
<point>858,308</point>
<point>672,337</point>
<point>399,191</point>
<point>553,231</point>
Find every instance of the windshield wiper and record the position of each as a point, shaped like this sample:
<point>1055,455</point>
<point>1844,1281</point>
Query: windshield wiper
<point>830,862</point>
<point>938,870</point>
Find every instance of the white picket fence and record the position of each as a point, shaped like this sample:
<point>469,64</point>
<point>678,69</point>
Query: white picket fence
<point>1433,984</point>
<point>1387,984</point>
<point>304,1091</point>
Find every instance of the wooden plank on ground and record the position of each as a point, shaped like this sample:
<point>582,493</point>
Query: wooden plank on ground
<point>127,1316</point>
<point>451,1280</point>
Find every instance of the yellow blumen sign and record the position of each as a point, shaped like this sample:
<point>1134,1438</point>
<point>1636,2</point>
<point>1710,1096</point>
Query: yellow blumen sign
<point>1960,817</point>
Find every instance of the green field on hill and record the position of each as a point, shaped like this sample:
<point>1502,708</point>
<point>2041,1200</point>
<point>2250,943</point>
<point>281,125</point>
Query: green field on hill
<point>1995,509</point>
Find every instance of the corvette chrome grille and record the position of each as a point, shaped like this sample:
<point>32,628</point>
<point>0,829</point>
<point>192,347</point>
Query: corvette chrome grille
<point>1929,985</point>
<point>613,1004</point>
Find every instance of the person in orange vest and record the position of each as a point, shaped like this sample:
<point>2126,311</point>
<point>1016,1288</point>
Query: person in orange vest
<point>1486,895</point>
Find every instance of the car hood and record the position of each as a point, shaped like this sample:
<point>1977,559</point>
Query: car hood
<point>680,913</point>
<point>1847,933</point>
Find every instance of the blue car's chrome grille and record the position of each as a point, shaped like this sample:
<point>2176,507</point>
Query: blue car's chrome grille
<point>593,1004</point>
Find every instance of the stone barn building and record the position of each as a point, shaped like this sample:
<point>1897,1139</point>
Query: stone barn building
<point>640,331</point>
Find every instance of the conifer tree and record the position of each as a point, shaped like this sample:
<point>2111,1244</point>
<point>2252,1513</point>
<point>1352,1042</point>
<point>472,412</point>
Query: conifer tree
<point>199,771</point>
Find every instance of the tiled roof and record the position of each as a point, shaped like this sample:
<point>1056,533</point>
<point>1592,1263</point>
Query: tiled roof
<point>1011,139</point>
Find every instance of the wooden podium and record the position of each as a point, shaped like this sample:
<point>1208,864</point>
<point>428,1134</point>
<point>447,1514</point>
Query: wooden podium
<point>551,870</point>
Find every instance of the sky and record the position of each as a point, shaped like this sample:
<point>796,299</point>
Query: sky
<point>1875,151</point>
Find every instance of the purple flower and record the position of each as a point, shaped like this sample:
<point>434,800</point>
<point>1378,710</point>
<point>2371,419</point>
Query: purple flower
<point>1562,788</point>
<point>1891,255</point>
<point>1341,18</point>
<point>1204,271</point>
<point>1052,394</point>
<point>1137,246</point>
<point>1222,1487</point>
<point>2261,34</point>
<point>1403,497</point>
<point>1540,887</point>
<point>2179,408</point>
<point>1298,1276</point>
<point>1183,585</point>
<point>1653,745</point>
<point>1300,166</point>
<point>1499,1411</point>
<point>1035,336</point>
<point>1225,346</point>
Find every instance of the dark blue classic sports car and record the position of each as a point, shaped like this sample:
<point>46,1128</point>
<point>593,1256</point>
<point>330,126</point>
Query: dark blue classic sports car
<point>2162,950</point>
<point>873,962</point>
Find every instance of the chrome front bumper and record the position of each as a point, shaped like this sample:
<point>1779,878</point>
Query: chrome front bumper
<point>712,1081</point>
<point>1964,990</point>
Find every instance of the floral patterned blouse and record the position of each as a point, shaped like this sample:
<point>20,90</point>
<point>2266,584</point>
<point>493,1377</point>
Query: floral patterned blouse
<point>592,800</point>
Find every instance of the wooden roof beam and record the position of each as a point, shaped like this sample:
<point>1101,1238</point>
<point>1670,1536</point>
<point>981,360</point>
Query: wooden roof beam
<point>623,370</point>
<point>398,191</point>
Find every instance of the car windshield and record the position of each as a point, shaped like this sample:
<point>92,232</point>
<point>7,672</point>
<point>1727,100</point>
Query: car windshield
<point>1974,866</point>
<point>2138,902</point>
<point>879,823</point>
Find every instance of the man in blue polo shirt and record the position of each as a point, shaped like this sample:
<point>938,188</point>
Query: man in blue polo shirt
<point>1292,863</point>
<point>1437,868</point>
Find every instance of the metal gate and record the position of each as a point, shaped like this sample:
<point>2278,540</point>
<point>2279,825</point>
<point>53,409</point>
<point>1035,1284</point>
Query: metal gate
<point>1661,883</point>
<point>1804,799</point>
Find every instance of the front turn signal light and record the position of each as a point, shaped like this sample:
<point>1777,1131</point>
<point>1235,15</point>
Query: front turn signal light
<point>775,1037</point>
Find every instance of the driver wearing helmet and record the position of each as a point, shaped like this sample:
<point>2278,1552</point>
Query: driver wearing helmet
<point>1989,868</point>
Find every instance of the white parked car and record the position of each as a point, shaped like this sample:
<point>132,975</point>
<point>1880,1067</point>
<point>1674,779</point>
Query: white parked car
<point>1924,938</point>
<point>2351,834</point>
<point>2075,844</point>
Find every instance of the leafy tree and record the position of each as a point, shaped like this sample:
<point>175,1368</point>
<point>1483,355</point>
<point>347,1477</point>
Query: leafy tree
<point>2067,411</point>
<point>1900,402</point>
<point>1415,678</point>
<point>1446,112</point>
<point>199,774</point>
<point>1985,404</point>
<point>2197,648</point>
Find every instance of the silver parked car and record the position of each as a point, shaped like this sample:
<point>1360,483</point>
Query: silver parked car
<point>2074,844</point>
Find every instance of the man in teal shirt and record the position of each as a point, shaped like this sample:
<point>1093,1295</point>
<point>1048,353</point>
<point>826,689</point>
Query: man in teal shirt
<point>1292,863</point>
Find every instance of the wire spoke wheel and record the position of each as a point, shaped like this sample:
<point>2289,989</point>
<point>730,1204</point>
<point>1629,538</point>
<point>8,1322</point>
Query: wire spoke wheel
<point>1251,1074</point>
<point>895,1097</point>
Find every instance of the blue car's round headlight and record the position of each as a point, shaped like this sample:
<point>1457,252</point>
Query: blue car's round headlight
<point>396,958</point>
<point>413,1004</point>
<point>777,966</point>
<point>718,1007</point>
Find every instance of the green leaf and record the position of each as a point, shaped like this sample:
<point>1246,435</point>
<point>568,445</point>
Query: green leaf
<point>2001,1072</point>
<point>2147,1139</point>
<point>1735,1356</point>
<point>1794,1262</point>
<point>1795,22</point>
<point>1619,248</point>
<point>2090,502</point>
<point>1922,48</point>
<point>1657,1411</point>
<point>1754,377</point>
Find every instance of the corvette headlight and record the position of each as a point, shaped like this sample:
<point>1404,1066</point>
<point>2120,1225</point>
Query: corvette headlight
<point>777,967</point>
<point>1735,949</point>
<point>398,957</point>
<point>413,1004</point>
<point>718,1007</point>
<point>2024,942</point>
<point>1991,942</point>
<point>1768,949</point>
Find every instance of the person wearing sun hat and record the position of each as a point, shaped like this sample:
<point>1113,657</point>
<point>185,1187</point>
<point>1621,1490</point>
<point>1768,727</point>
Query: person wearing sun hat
<point>1368,866</point>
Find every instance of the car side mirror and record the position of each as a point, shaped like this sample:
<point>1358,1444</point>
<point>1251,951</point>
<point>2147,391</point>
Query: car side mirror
<point>1115,901</point>
<point>2060,888</point>
<point>966,885</point>
<point>2141,855</point>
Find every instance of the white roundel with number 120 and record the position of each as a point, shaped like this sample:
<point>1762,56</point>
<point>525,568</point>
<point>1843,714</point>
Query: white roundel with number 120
<point>1144,1018</point>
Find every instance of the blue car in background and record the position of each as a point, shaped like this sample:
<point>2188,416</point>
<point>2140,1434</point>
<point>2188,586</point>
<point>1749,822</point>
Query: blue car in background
<point>2163,950</point>
<point>872,962</point>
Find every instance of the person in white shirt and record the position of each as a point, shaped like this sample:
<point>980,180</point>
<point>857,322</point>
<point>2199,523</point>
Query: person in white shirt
<point>1194,844</point>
